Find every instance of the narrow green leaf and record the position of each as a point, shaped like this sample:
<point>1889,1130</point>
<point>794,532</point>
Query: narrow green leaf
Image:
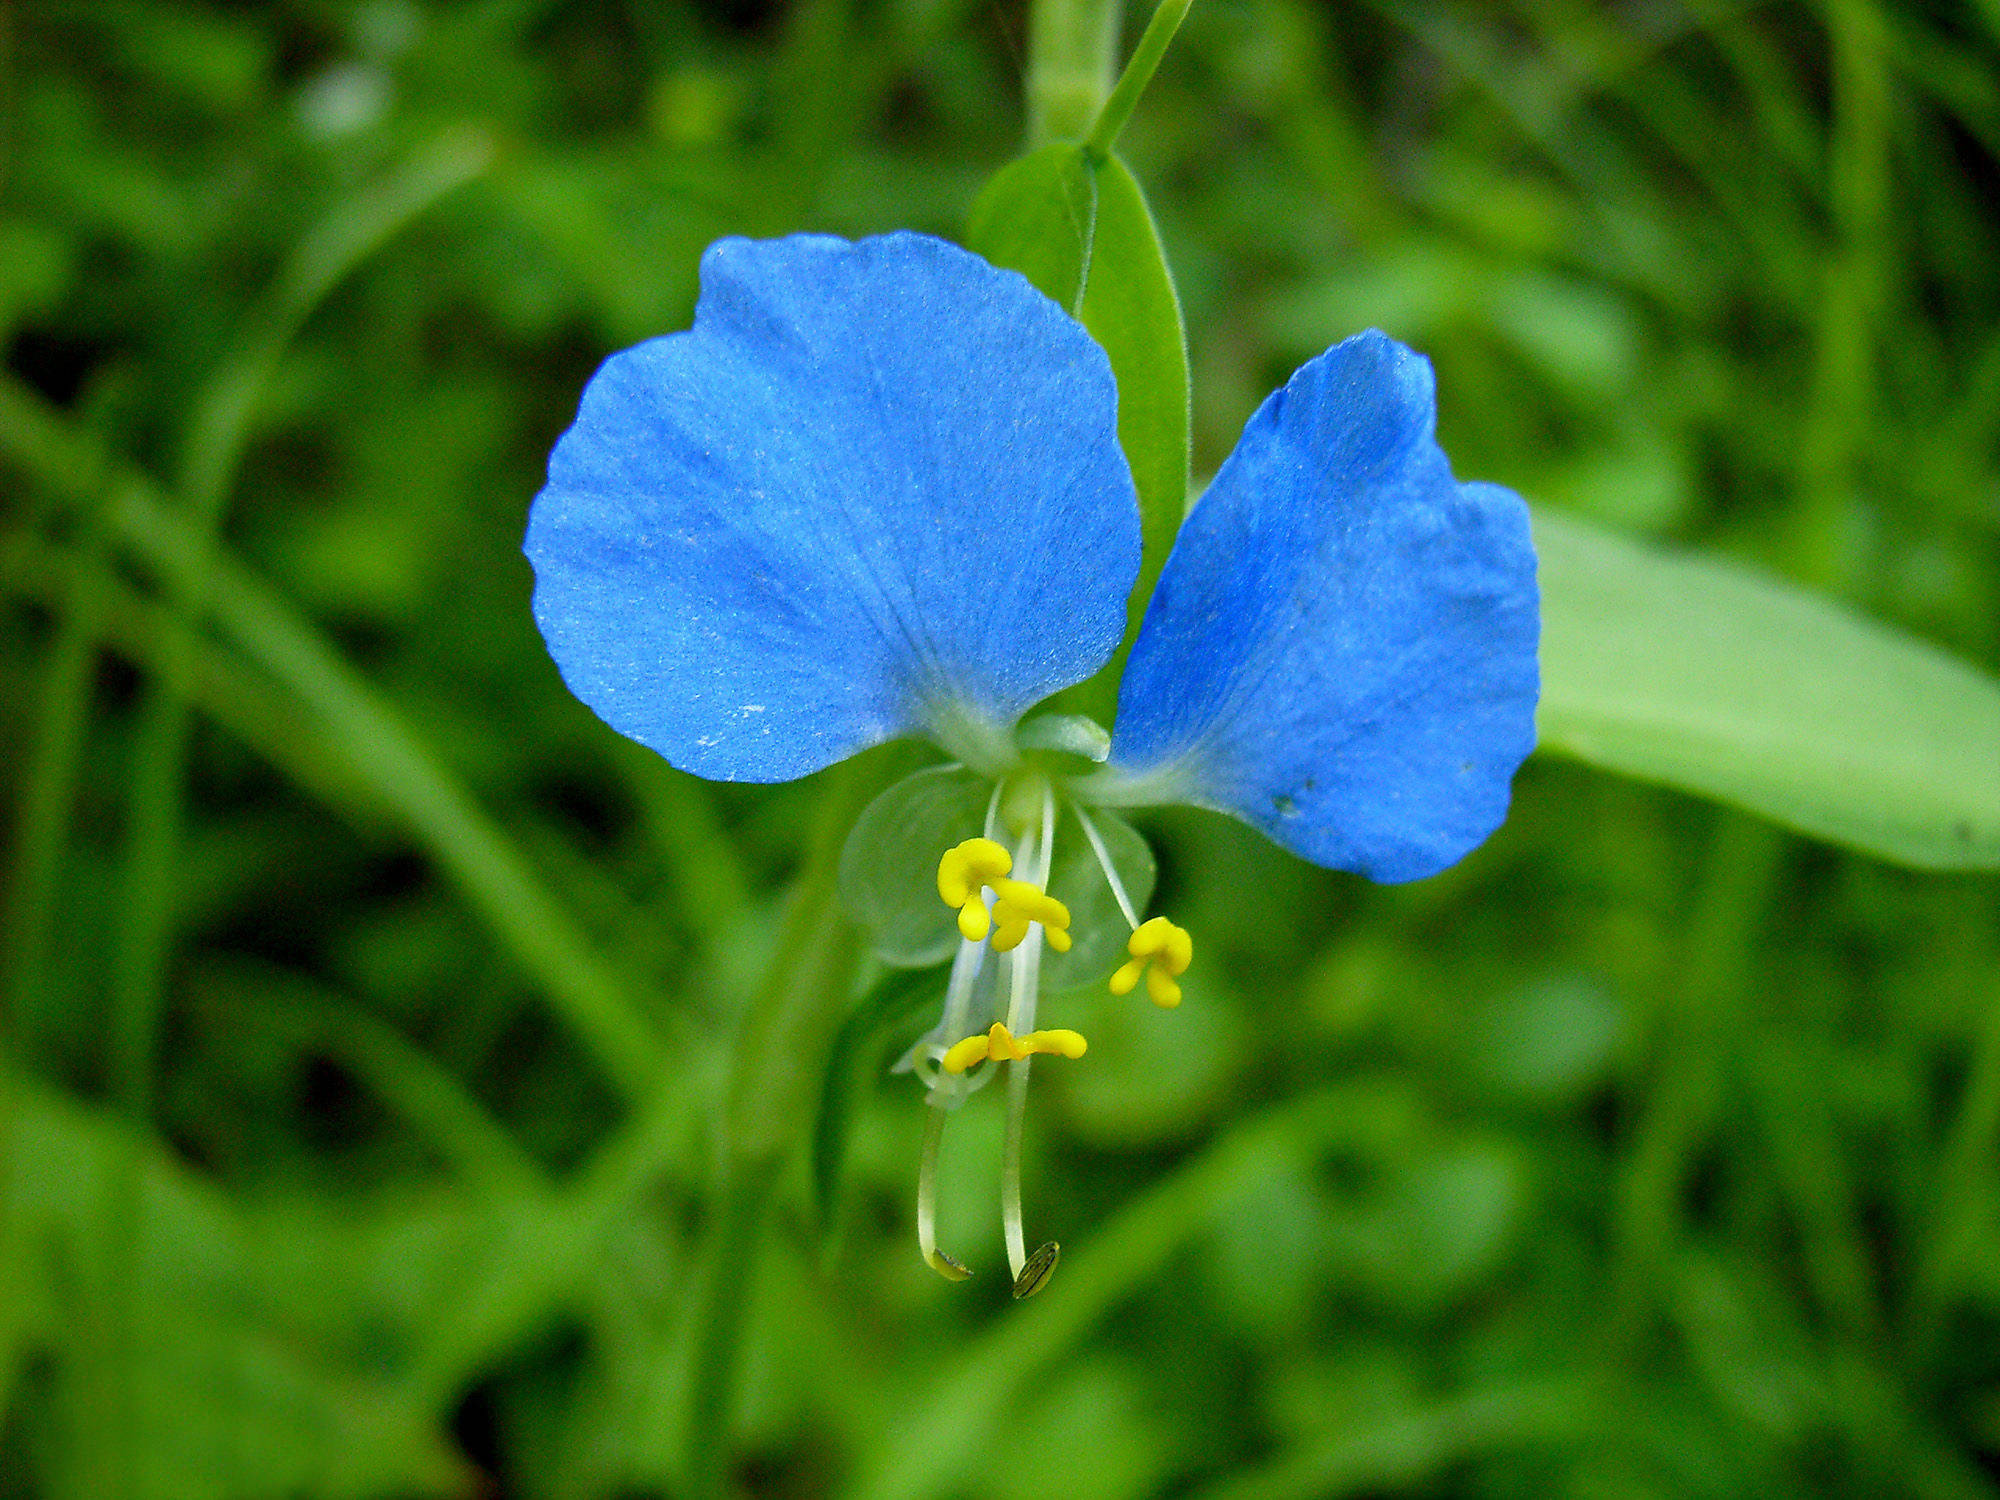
<point>223,1402</point>
<point>366,731</point>
<point>1397,1446</point>
<point>1038,216</point>
<point>250,707</point>
<point>304,1017</point>
<point>220,424</point>
<point>895,1001</point>
<point>218,431</point>
<point>503,886</point>
<point>1710,678</point>
<point>1130,307</point>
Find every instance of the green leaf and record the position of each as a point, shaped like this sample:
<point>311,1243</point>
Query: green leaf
<point>368,732</point>
<point>1078,227</point>
<point>855,1061</point>
<point>1038,215</point>
<point>1707,677</point>
<point>1130,307</point>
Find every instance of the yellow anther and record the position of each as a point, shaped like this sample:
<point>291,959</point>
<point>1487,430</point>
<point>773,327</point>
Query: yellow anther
<point>1160,951</point>
<point>968,867</point>
<point>962,1055</point>
<point>963,875</point>
<point>1001,1045</point>
<point>1019,904</point>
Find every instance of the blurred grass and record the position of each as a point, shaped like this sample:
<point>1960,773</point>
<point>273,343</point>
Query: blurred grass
<point>1650,1152</point>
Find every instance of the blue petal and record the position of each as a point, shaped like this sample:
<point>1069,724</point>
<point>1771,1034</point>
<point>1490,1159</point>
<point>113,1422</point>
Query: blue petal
<point>875,490</point>
<point>1341,650</point>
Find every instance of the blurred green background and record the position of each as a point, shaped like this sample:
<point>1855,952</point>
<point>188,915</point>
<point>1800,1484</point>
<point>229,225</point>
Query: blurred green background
<point>371,1009</point>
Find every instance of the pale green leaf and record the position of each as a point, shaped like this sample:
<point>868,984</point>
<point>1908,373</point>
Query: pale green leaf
<point>1708,677</point>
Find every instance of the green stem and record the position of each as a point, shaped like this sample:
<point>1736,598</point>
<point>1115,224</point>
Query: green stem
<point>774,1089</point>
<point>53,775</point>
<point>1138,73</point>
<point>1859,201</point>
<point>1072,58</point>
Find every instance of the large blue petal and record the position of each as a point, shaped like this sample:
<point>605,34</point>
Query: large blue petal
<point>1341,650</point>
<point>875,490</point>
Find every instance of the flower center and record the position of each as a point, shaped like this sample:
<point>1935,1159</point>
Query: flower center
<point>1005,913</point>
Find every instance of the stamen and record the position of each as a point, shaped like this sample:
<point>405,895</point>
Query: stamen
<point>1019,907</point>
<point>1010,1170</point>
<point>1019,904</point>
<point>1027,965</point>
<point>963,875</point>
<point>1110,871</point>
<point>1001,1045</point>
<point>958,1003</point>
<point>947,1266</point>
<point>1031,1272</point>
<point>1160,951</point>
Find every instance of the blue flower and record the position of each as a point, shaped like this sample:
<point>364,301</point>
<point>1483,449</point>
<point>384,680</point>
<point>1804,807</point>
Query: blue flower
<point>876,491</point>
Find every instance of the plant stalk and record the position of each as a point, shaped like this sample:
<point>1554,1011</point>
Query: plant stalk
<point>774,1088</point>
<point>1072,60</point>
